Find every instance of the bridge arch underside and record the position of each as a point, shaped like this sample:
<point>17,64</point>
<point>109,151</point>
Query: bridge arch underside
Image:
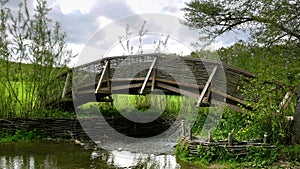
<point>210,82</point>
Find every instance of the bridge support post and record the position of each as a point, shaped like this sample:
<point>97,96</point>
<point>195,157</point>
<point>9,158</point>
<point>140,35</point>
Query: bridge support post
<point>148,76</point>
<point>153,80</point>
<point>183,128</point>
<point>65,86</point>
<point>102,76</point>
<point>206,87</point>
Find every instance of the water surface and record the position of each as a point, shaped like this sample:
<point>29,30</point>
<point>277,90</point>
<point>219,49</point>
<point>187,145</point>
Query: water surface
<point>66,155</point>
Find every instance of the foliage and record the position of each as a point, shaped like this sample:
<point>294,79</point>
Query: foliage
<point>33,56</point>
<point>168,106</point>
<point>271,54</point>
<point>182,150</point>
<point>268,114</point>
<point>235,123</point>
<point>269,22</point>
<point>206,54</point>
<point>213,153</point>
<point>19,136</point>
<point>131,47</point>
<point>291,153</point>
<point>275,76</point>
<point>259,157</point>
<point>276,63</point>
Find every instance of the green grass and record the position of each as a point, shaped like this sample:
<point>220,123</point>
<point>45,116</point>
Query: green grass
<point>19,135</point>
<point>23,105</point>
<point>257,157</point>
<point>169,107</point>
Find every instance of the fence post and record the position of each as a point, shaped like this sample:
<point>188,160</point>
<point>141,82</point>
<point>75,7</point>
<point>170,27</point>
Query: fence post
<point>182,128</point>
<point>209,136</point>
<point>230,139</point>
<point>190,132</point>
<point>265,138</point>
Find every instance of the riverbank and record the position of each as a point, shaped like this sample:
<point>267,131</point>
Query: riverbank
<point>16,129</point>
<point>64,154</point>
<point>78,129</point>
<point>215,156</point>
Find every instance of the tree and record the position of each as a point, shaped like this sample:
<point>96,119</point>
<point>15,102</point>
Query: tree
<point>33,55</point>
<point>269,22</point>
<point>271,53</point>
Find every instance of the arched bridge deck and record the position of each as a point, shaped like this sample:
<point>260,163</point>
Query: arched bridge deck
<point>210,82</point>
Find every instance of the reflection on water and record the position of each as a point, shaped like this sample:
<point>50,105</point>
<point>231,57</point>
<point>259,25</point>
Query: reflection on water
<point>65,155</point>
<point>127,159</point>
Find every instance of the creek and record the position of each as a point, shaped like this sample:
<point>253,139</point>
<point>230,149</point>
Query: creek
<point>67,155</point>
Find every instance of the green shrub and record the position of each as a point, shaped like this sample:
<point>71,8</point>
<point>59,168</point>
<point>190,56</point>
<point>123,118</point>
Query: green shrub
<point>260,157</point>
<point>20,135</point>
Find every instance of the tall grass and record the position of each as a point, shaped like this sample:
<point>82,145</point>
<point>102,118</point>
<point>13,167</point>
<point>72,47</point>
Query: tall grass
<point>169,106</point>
<point>18,100</point>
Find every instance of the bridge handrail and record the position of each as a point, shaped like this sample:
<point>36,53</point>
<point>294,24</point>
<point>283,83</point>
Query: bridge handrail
<point>185,58</point>
<point>116,57</point>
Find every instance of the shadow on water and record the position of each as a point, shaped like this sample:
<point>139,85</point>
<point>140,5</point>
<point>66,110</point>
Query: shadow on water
<point>66,155</point>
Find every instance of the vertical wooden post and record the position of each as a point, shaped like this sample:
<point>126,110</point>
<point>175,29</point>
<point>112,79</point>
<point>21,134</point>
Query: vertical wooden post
<point>183,128</point>
<point>230,139</point>
<point>266,138</point>
<point>108,76</point>
<point>209,136</point>
<point>190,132</point>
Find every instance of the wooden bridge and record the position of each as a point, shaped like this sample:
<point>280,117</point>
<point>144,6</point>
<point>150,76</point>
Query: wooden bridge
<point>210,82</point>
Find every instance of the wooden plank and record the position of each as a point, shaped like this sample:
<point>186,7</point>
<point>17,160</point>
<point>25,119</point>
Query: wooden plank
<point>206,86</point>
<point>116,58</point>
<point>228,96</point>
<point>107,76</point>
<point>102,76</point>
<point>88,91</point>
<point>127,79</point>
<point>284,101</point>
<point>66,86</point>
<point>153,80</point>
<point>131,86</point>
<point>148,75</point>
<point>177,90</point>
<point>201,87</point>
<point>180,83</point>
<point>207,95</point>
<point>218,63</point>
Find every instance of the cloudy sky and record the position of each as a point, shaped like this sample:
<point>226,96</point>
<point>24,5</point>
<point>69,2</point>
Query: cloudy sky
<point>96,25</point>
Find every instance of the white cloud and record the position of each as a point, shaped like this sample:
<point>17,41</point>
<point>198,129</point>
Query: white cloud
<point>171,7</point>
<point>69,6</point>
<point>104,21</point>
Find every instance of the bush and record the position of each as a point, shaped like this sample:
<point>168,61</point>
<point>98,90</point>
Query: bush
<point>20,135</point>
